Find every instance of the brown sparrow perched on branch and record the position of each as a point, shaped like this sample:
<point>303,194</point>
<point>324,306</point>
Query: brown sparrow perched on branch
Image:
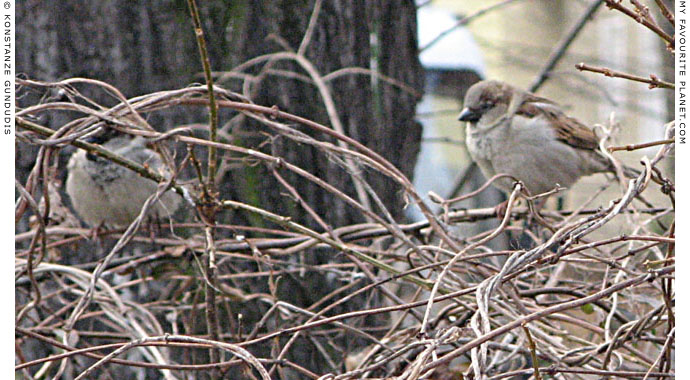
<point>529,138</point>
<point>104,193</point>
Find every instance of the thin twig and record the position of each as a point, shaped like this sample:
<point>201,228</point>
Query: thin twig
<point>533,352</point>
<point>212,108</point>
<point>617,4</point>
<point>630,147</point>
<point>653,81</point>
<point>666,12</point>
<point>560,49</point>
<point>464,21</point>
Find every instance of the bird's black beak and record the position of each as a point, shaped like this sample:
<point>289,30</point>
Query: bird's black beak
<point>468,115</point>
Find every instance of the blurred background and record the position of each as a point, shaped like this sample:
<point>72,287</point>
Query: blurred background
<point>513,41</point>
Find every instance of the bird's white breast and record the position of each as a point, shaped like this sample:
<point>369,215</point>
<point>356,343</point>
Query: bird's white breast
<point>105,193</point>
<point>524,148</point>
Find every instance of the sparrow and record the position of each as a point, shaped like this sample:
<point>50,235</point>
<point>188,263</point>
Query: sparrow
<point>530,138</point>
<point>106,194</point>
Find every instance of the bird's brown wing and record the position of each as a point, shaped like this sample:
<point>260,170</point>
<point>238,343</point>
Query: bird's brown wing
<point>567,129</point>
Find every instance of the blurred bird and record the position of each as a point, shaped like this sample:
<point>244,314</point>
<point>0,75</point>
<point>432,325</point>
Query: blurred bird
<point>107,194</point>
<point>529,138</point>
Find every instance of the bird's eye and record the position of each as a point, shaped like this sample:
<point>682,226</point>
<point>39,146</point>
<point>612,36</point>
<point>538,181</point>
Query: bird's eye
<point>91,157</point>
